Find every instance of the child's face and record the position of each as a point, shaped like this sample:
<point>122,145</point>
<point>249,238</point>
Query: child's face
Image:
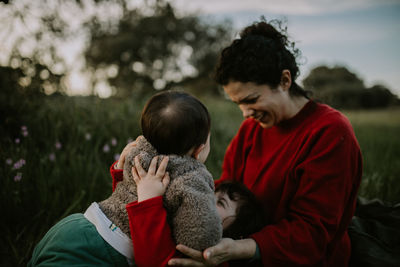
<point>226,209</point>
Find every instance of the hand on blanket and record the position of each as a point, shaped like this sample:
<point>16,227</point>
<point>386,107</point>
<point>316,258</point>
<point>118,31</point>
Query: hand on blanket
<point>152,183</point>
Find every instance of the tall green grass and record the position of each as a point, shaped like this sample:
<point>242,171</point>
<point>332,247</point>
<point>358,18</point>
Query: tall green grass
<point>68,147</point>
<point>70,142</point>
<point>378,133</point>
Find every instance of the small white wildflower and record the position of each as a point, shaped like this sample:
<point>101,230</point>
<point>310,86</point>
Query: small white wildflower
<point>58,145</point>
<point>106,148</point>
<point>114,141</point>
<point>18,177</point>
<point>18,165</point>
<point>52,157</point>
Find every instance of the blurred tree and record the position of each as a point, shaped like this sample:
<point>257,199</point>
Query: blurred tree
<point>27,77</point>
<point>336,86</point>
<point>156,49</point>
<point>378,96</point>
<point>129,46</point>
<point>322,78</point>
<point>30,35</point>
<point>22,88</point>
<point>340,88</point>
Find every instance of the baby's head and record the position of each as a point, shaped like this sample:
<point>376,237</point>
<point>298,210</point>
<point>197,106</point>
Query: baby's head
<point>177,123</point>
<point>241,213</point>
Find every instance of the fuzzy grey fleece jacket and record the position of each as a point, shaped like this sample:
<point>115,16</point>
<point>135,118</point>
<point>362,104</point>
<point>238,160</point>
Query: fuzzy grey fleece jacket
<point>189,198</point>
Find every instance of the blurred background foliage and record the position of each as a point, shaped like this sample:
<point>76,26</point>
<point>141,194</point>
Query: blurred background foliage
<point>56,148</point>
<point>130,49</point>
<point>160,51</point>
<point>340,88</point>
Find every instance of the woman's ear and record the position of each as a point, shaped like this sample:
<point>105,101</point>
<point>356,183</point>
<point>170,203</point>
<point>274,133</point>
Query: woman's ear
<point>286,80</point>
<point>196,151</point>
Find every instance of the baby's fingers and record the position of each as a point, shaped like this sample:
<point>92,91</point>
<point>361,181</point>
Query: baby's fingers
<point>140,171</point>
<point>163,166</point>
<point>165,180</point>
<point>135,175</point>
<point>153,165</point>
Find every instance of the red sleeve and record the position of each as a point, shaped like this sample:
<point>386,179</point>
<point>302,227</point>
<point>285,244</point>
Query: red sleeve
<point>321,207</point>
<point>150,232</point>
<point>116,174</point>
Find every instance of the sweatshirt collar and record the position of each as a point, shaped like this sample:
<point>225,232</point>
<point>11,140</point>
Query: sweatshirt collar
<point>297,119</point>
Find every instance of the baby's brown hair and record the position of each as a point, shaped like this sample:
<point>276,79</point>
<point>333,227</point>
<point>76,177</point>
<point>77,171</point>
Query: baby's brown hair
<point>174,122</point>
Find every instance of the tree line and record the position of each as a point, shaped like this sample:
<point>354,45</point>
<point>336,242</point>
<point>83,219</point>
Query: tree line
<point>341,88</point>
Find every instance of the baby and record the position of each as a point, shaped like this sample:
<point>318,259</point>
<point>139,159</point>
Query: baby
<point>246,214</point>
<point>178,125</point>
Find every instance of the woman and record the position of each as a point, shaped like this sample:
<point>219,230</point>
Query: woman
<point>300,158</point>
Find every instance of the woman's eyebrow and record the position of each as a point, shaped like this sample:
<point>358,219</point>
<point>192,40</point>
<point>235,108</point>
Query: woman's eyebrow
<point>248,98</point>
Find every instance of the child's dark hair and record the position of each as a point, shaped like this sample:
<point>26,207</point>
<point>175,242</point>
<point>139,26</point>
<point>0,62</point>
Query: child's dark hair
<point>250,216</point>
<point>260,55</point>
<point>175,122</point>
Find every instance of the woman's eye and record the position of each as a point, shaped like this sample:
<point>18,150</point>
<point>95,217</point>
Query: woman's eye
<point>248,100</point>
<point>251,101</point>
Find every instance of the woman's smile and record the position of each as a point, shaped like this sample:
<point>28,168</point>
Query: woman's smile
<point>263,118</point>
<point>259,116</point>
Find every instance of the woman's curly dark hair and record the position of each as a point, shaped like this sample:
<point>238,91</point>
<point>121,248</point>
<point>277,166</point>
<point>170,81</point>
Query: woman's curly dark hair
<point>260,55</point>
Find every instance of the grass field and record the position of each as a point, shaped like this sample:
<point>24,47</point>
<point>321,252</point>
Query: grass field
<point>378,132</point>
<point>56,154</point>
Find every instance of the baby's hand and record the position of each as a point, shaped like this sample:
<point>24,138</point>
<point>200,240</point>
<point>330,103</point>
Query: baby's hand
<point>127,149</point>
<point>152,183</point>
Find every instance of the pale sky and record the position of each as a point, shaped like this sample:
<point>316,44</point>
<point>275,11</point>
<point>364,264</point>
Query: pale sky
<point>363,35</point>
<point>288,7</point>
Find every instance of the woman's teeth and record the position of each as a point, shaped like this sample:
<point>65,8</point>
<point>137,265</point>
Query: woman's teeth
<point>258,117</point>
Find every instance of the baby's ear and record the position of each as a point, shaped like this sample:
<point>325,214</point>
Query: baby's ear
<point>196,151</point>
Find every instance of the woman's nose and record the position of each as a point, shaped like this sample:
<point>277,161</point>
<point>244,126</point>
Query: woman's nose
<point>247,112</point>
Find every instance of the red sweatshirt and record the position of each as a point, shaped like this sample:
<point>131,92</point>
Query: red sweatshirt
<point>306,171</point>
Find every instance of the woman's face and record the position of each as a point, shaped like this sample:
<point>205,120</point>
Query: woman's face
<point>266,105</point>
<point>226,209</point>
